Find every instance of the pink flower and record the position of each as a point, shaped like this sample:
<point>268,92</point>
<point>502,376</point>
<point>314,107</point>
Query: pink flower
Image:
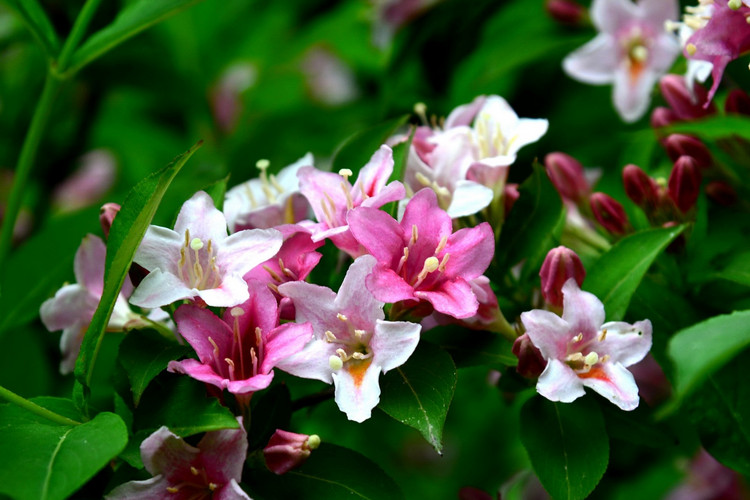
<point>332,196</point>
<point>582,352</point>
<point>182,472</point>
<point>238,352</point>
<point>351,342</point>
<point>73,306</point>
<point>631,51</point>
<point>287,450</point>
<point>198,259</point>
<point>421,258</point>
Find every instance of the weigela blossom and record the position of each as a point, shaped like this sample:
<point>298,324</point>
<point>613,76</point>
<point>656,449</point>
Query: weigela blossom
<point>198,259</point>
<point>73,306</point>
<point>421,258</point>
<point>332,196</point>
<point>181,471</point>
<point>287,450</point>
<point>238,351</point>
<point>631,51</point>
<point>268,201</point>
<point>351,342</point>
<point>583,351</point>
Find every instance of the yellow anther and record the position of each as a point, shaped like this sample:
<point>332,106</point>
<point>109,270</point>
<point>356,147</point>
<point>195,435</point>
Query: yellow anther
<point>212,486</point>
<point>691,49</point>
<point>216,347</point>
<point>172,489</point>
<point>196,244</point>
<point>603,335</point>
<point>414,233</point>
<point>330,337</point>
<point>194,471</point>
<point>342,317</point>
<point>578,337</point>
<point>441,245</point>
<point>359,333</point>
<point>420,109</point>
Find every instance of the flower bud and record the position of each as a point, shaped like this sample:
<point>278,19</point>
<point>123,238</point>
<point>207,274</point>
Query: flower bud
<point>107,215</point>
<point>531,363</point>
<point>721,193</point>
<point>511,195</point>
<point>642,189</point>
<point>559,266</point>
<point>685,145</point>
<point>662,117</point>
<point>287,450</point>
<point>567,12</point>
<point>609,213</point>
<point>684,183</point>
<point>738,102</point>
<point>566,173</point>
<point>686,105</point>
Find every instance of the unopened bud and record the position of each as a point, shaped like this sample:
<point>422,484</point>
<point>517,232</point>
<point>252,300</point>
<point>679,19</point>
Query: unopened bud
<point>609,213</point>
<point>662,117</point>
<point>287,450</point>
<point>642,189</point>
<point>738,102</point>
<point>721,193</point>
<point>566,12</point>
<point>559,266</point>
<point>531,363</point>
<point>107,215</point>
<point>511,194</point>
<point>686,105</point>
<point>685,145</point>
<point>566,173</point>
<point>684,183</point>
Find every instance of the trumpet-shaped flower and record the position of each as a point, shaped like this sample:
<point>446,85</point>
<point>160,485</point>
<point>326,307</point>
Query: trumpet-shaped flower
<point>332,196</point>
<point>351,342</point>
<point>73,306</point>
<point>421,258</point>
<point>238,352</point>
<point>583,351</point>
<point>631,51</point>
<point>182,472</point>
<point>268,201</point>
<point>198,259</point>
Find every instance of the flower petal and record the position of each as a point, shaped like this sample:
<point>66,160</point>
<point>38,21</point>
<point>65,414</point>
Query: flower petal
<point>224,452</point>
<point>357,389</point>
<point>471,251</point>
<point>558,382</point>
<point>581,310</point>
<point>393,342</point>
<point>160,289</point>
<point>594,62</point>
<point>453,298</point>
<point>244,250</point>
<point>469,198</point>
<point>354,299</point>
<point>89,264</point>
<point>626,344</point>
<point>202,218</point>
<point>163,452</point>
<point>312,362</point>
<point>614,382</point>
<point>548,332</point>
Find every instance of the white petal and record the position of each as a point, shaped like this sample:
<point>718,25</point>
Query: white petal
<point>558,382</point>
<point>357,391</point>
<point>616,384</point>
<point>160,289</point>
<point>593,63</point>
<point>393,342</point>
<point>469,198</point>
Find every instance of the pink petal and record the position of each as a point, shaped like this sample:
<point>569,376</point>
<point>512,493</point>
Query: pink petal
<point>453,298</point>
<point>379,233</point>
<point>154,488</point>
<point>609,16</point>
<point>463,115</point>
<point>71,304</point>
<point>250,385</point>
<point>312,362</point>
<point>202,218</point>
<point>231,491</point>
<point>548,332</point>
<point>163,452</point>
<point>312,303</point>
<point>202,372</point>
<point>632,95</point>
<point>469,198</point>
<point>244,250</point>
<point>387,286</point>
<point>315,185</point>
<point>196,325</point>
<point>581,310</point>
<point>232,291</point>
<point>471,251</point>
<point>284,341</point>
<point>433,222</point>
<point>374,175</point>
<point>224,452</point>
<point>354,299</point>
<point>558,382</point>
<point>89,264</point>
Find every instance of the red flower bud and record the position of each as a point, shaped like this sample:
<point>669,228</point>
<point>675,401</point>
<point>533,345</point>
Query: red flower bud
<point>511,195</point>
<point>686,105</point>
<point>531,363</point>
<point>642,189</point>
<point>566,173</point>
<point>684,183</point>
<point>287,450</point>
<point>107,215</point>
<point>566,12</point>
<point>609,213</point>
<point>722,193</point>
<point>685,145</point>
<point>661,117</point>
<point>738,102</point>
<point>559,266</point>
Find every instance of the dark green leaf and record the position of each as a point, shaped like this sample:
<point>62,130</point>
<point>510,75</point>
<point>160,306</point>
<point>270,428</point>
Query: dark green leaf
<point>567,444</point>
<point>144,355</point>
<point>125,235</point>
<point>472,347</point>
<point>47,461</point>
<point>133,19</point>
<point>357,150</point>
<point>529,224</point>
<point>39,25</point>
<point>271,410</point>
<point>701,349</point>
<point>617,274</point>
<point>720,410</point>
<point>330,472</point>
<point>181,403</point>
<point>737,269</point>
<point>420,392</point>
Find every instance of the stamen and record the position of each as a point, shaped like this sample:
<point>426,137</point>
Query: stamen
<point>313,441</point>
<point>691,49</point>
<point>194,471</point>
<point>603,335</point>
<point>345,173</point>
<point>216,347</point>
<point>591,359</point>
<point>212,486</point>
<point>359,334</point>
<point>734,4</point>
<point>444,262</point>
<point>335,363</point>
<point>275,183</point>
<point>420,109</point>
<point>342,354</point>
<point>346,188</point>
<point>272,273</point>
<point>441,245</point>
<point>342,317</point>
<point>403,260</point>
<point>577,338</point>
<point>422,179</point>
<point>265,186</point>
<point>231,368</point>
<point>196,244</point>
<point>430,264</point>
<point>172,489</point>
<point>236,311</point>
<point>330,337</point>
<point>414,234</point>
<point>254,360</point>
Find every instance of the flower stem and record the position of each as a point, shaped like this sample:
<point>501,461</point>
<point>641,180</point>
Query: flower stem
<point>76,34</point>
<point>35,408</point>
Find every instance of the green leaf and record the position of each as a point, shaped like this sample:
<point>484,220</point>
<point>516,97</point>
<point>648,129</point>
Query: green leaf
<point>357,150</point>
<point>567,444</point>
<point>46,461</point>
<point>217,191</point>
<point>737,269</point>
<point>720,411</point>
<point>400,157</point>
<point>181,404</point>
<point>125,235</point>
<point>472,347</point>
<point>144,355</point>
<point>701,349</point>
<point>133,19</point>
<point>617,274</point>
<point>715,127</point>
<point>529,224</point>
<point>271,410</point>
<point>330,472</point>
<point>420,392</point>
<point>39,25</point>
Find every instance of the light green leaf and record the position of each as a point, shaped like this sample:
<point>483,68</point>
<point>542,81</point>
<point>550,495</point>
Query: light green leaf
<point>567,444</point>
<point>125,235</point>
<point>617,274</point>
<point>420,392</point>
<point>39,25</point>
<point>715,127</point>
<point>357,150</point>
<point>133,19</point>
<point>45,461</point>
